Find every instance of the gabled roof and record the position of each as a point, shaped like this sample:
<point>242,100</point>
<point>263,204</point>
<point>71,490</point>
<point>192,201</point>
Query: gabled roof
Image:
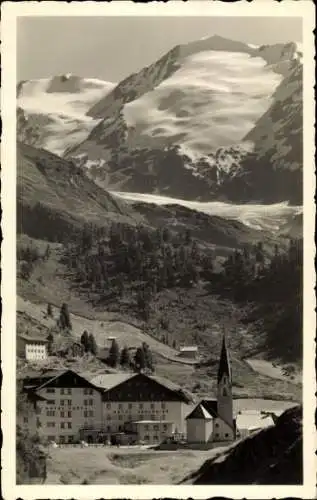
<point>224,363</point>
<point>211,405</point>
<point>29,338</point>
<point>109,380</point>
<point>52,381</point>
<point>199,413</point>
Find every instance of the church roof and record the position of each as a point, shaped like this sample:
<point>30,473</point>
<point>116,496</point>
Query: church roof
<point>224,363</point>
<point>211,405</point>
<point>199,413</point>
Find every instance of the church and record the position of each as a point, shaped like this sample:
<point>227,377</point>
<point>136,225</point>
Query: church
<point>212,419</point>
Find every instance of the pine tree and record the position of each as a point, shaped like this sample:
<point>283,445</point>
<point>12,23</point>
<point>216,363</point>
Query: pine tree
<point>50,340</point>
<point>125,357</point>
<point>49,310</point>
<point>64,318</point>
<point>84,340</point>
<point>92,345</point>
<point>114,354</point>
<point>139,359</point>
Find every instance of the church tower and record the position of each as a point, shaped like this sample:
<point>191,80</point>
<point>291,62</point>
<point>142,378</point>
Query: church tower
<point>224,380</point>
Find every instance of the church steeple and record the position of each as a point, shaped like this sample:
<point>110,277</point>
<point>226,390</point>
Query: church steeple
<point>224,392</point>
<point>224,363</point>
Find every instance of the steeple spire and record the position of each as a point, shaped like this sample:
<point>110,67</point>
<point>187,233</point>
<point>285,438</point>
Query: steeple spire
<point>224,363</point>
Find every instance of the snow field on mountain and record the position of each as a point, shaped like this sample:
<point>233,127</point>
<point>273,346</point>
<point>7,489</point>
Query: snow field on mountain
<point>64,102</point>
<point>214,99</point>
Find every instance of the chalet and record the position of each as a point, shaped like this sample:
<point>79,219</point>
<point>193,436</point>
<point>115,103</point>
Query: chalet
<point>71,403</point>
<point>31,348</point>
<point>212,419</point>
<point>130,398</point>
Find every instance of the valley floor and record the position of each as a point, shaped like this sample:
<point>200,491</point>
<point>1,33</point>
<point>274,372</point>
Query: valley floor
<point>122,465</point>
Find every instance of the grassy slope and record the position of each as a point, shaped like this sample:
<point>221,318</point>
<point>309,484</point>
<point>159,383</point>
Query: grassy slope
<point>55,197</point>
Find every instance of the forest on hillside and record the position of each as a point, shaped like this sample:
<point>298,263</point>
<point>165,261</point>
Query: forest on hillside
<point>137,263</point>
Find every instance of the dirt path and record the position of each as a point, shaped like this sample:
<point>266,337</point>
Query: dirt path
<point>271,370</point>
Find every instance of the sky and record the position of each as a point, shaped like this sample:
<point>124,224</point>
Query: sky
<point>111,48</point>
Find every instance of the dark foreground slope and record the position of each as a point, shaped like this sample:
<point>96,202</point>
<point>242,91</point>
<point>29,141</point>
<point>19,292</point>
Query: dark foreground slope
<point>54,197</point>
<point>271,456</point>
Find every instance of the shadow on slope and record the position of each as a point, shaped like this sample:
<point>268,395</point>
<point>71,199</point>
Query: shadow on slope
<point>271,456</point>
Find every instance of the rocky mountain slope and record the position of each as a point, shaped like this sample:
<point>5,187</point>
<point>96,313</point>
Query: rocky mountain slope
<point>213,119</point>
<point>54,197</point>
<point>271,456</point>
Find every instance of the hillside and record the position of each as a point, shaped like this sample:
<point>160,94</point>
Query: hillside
<point>209,120</point>
<point>54,197</point>
<point>272,456</point>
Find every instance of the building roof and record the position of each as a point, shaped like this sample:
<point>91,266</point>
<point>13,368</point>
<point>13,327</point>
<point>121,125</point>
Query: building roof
<point>189,348</point>
<point>211,405</point>
<point>30,338</point>
<point>152,422</point>
<point>252,420</point>
<point>109,380</point>
<point>199,413</point>
<point>224,364</point>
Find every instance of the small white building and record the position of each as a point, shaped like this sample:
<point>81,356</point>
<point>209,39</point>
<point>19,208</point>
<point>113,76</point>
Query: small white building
<point>190,352</point>
<point>32,348</point>
<point>151,431</point>
<point>249,421</point>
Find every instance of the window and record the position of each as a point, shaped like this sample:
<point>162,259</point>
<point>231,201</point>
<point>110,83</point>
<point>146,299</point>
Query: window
<point>224,392</point>
<point>156,427</point>
<point>163,405</point>
<point>69,402</point>
<point>85,390</point>
<point>50,413</point>
<point>141,405</point>
<point>62,390</point>
<point>70,439</point>
<point>51,438</point>
<point>217,425</point>
<point>50,390</point>
<point>69,425</point>
<point>62,425</point>
<point>91,402</point>
<point>25,420</point>
<point>50,424</point>
<point>108,417</point>
<point>120,417</point>
<point>85,402</point>
<point>120,406</point>
<point>62,439</point>
<point>50,402</point>
<point>146,438</point>
<point>146,427</point>
<point>155,438</point>
<point>69,390</point>
<point>85,414</point>
<point>91,413</point>
<point>108,428</point>
<point>152,406</point>
<point>69,414</point>
<point>130,406</point>
<point>62,402</point>
<point>62,414</point>
<point>217,435</point>
<point>91,391</point>
<point>108,405</point>
<point>226,435</point>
